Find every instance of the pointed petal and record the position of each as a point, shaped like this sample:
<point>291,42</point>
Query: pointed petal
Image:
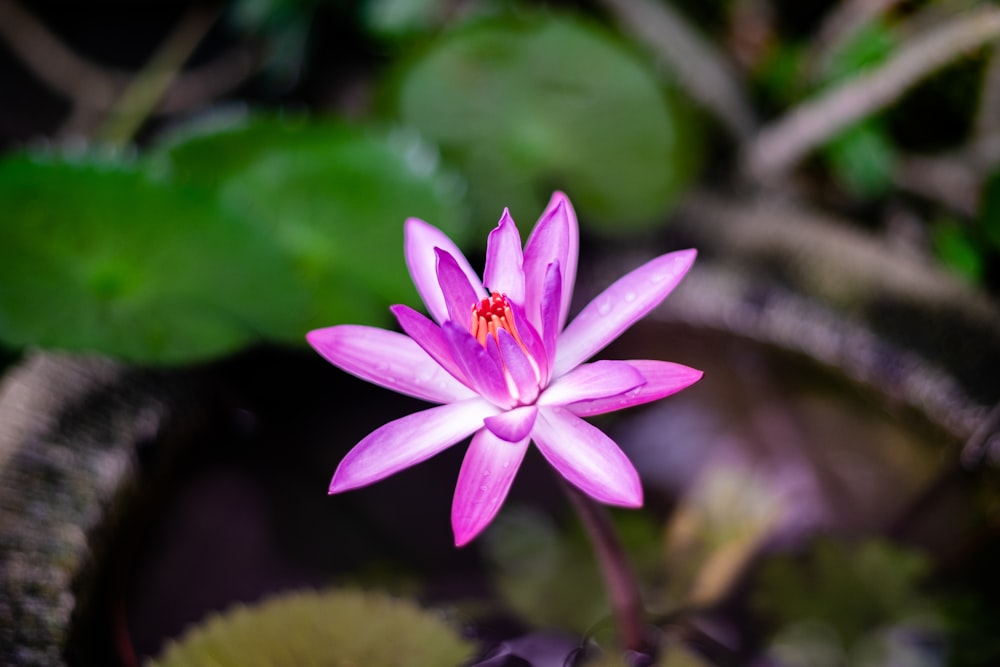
<point>388,359</point>
<point>532,342</point>
<point>420,241</point>
<point>487,472</point>
<point>518,368</point>
<point>663,378</point>
<point>429,337</point>
<point>551,326</point>
<point>600,379</point>
<point>460,295</point>
<point>556,237</point>
<point>408,441</point>
<point>586,457</point>
<point>513,425</point>
<point>619,306</point>
<point>504,258</point>
<point>485,374</point>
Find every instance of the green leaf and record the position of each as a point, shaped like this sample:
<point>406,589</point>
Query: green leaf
<point>332,196</point>
<point>851,589</point>
<point>989,208</point>
<point>868,47</point>
<point>862,158</point>
<point>333,629</point>
<point>959,249</point>
<point>96,256</point>
<point>530,104</point>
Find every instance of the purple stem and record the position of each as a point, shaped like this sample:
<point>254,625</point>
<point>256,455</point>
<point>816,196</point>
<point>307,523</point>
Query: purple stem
<point>622,588</point>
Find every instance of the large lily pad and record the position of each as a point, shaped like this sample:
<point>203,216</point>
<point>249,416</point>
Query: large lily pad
<point>525,105</point>
<point>334,629</point>
<point>332,196</point>
<point>95,256</point>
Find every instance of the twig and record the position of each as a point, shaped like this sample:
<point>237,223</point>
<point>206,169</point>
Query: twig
<point>53,63</point>
<point>947,179</point>
<point>701,70</point>
<point>988,112</point>
<point>842,23</point>
<point>783,143</point>
<point>149,85</point>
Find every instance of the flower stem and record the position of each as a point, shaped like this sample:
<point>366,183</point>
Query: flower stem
<point>619,579</point>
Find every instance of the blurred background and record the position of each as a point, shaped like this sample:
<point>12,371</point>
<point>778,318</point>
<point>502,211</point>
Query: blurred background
<point>186,188</point>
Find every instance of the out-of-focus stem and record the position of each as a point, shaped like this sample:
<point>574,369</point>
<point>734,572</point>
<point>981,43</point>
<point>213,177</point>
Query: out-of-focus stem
<point>144,92</point>
<point>619,579</point>
<point>783,143</point>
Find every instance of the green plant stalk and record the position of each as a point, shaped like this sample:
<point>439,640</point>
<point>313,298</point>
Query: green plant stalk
<point>619,578</point>
<point>147,88</point>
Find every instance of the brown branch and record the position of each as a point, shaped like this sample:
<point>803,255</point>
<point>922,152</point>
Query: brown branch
<point>779,146</point>
<point>150,84</point>
<point>702,71</point>
<point>55,65</point>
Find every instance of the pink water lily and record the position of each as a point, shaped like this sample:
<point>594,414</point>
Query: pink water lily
<point>503,367</point>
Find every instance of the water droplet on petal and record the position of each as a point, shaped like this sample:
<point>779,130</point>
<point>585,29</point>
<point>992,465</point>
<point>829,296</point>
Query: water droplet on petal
<point>604,307</point>
<point>630,296</point>
<point>657,278</point>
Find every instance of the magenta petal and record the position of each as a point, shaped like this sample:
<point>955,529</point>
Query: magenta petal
<point>388,359</point>
<point>483,483</point>
<point>663,378</point>
<point>485,374</point>
<point>408,441</point>
<point>556,238</point>
<point>619,306</point>
<point>550,326</point>
<point>420,241</point>
<point>460,295</point>
<point>513,425</point>
<point>586,457</point>
<point>504,258</point>
<point>430,338</point>
<point>552,240</point>
<point>518,367</point>
<point>600,379</point>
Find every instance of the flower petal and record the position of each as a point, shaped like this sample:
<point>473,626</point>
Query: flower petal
<point>518,367</point>
<point>460,295</point>
<point>601,379</point>
<point>556,238</point>
<point>504,272</point>
<point>586,457</point>
<point>550,324</point>
<point>663,378</point>
<point>615,309</point>
<point>420,241</point>
<point>483,483</point>
<point>486,376</point>
<point>388,359</point>
<point>408,441</point>
<point>430,338</point>
<point>513,425</point>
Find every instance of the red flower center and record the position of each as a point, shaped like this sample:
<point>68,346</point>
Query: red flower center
<point>491,315</point>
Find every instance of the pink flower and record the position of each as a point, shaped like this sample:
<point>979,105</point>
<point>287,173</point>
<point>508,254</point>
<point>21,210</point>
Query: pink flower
<point>503,367</point>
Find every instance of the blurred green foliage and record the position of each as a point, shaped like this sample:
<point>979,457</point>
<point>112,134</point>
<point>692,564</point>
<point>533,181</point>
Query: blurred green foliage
<point>256,230</point>
<point>527,104</point>
<point>336,628</point>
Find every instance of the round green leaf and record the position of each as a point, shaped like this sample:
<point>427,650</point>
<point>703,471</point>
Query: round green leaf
<point>527,105</point>
<point>333,197</point>
<point>333,629</point>
<point>94,256</point>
